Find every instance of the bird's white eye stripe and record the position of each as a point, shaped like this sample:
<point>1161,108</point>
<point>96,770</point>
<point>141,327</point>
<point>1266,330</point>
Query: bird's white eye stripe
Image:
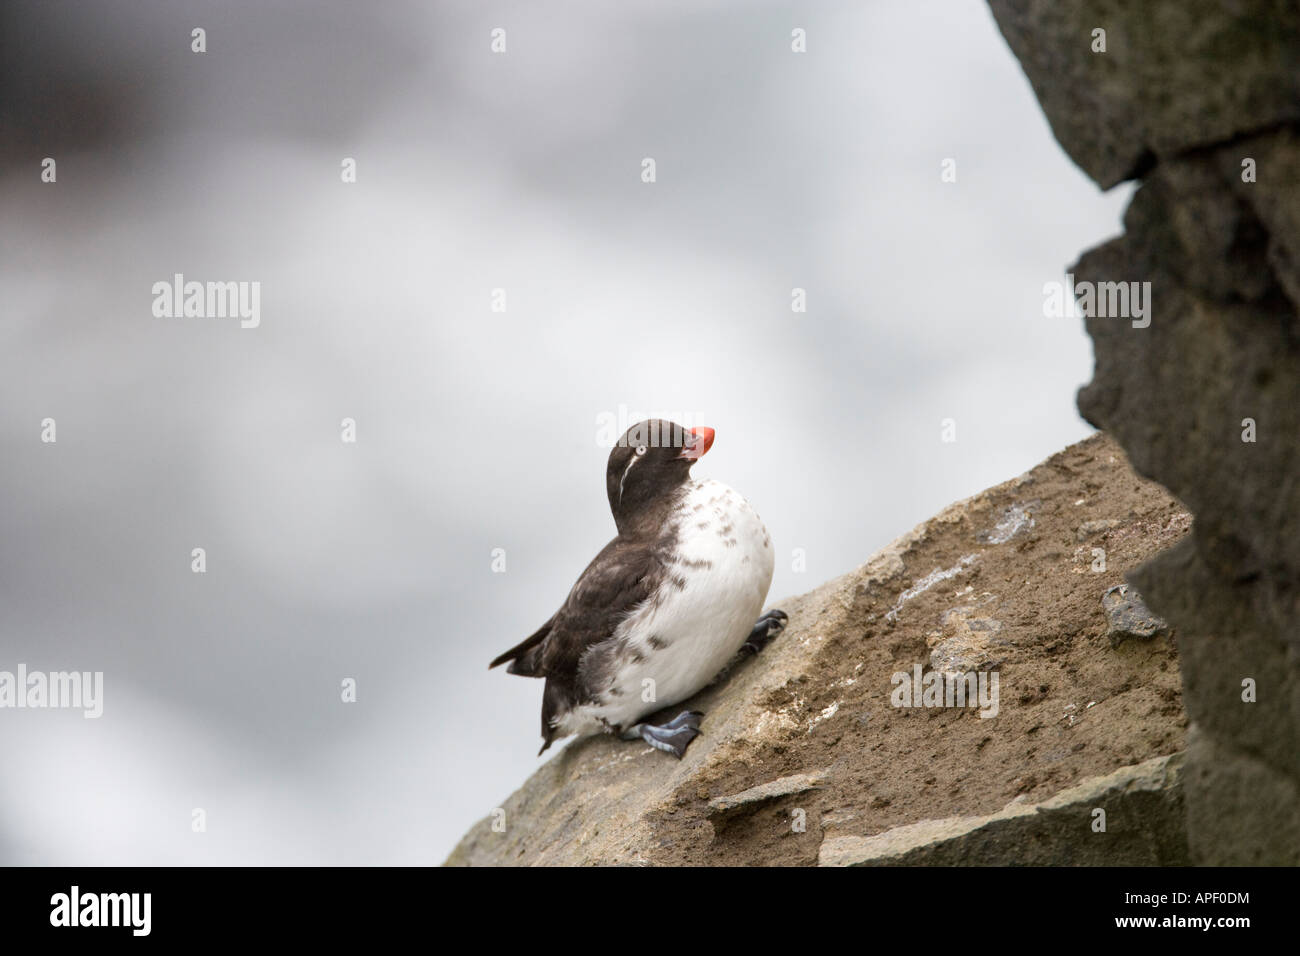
<point>630,462</point>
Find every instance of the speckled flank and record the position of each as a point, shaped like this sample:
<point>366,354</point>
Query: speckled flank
<point>701,565</point>
<point>718,569</point>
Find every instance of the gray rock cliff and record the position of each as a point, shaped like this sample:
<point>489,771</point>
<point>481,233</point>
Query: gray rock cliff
<point>1201,101</point>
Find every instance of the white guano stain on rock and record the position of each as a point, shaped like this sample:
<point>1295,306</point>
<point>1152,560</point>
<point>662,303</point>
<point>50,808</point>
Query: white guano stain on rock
<point>826,714</point>
<point>929,581</point>
<point>1015,520</point>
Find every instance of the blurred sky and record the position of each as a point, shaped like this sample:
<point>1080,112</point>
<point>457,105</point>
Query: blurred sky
<point>476,430</point>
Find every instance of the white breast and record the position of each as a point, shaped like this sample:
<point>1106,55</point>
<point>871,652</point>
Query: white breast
<point>679,640</point>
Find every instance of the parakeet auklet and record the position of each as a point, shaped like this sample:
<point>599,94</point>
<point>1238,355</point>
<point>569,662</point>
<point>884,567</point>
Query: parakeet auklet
<point>663,607</point>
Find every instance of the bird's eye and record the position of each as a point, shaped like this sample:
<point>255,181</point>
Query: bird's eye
<point>640,449</point>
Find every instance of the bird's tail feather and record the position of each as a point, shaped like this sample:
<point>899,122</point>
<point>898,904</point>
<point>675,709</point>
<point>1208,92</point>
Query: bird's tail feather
<point>524,656</point>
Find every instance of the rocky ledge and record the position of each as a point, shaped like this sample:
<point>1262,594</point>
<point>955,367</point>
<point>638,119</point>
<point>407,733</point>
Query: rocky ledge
<point>808,754</point>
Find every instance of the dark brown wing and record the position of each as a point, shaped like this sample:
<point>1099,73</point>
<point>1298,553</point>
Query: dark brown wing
<point>619,578</point>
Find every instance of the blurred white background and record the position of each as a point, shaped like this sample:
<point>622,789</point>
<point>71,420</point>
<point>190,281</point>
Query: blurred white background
<point>476,430</point>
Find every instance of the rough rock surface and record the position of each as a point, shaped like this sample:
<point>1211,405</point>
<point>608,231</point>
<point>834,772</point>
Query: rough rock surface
<point>1202,100</point>
<point>1128,616</point>
<point>1142,823</point>
<point>802,742</point>
<point>1175,74</point>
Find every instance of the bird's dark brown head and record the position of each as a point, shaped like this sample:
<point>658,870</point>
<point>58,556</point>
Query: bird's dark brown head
<point>648,465</point>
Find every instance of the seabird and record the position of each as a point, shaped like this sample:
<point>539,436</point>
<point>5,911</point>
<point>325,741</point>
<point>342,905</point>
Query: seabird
<point>664,607</point>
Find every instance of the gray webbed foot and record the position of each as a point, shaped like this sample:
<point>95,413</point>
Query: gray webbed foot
<point>767,627</point>
<point>673,737</point>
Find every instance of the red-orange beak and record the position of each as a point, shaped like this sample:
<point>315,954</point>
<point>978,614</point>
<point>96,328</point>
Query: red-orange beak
<point>700,441</point>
